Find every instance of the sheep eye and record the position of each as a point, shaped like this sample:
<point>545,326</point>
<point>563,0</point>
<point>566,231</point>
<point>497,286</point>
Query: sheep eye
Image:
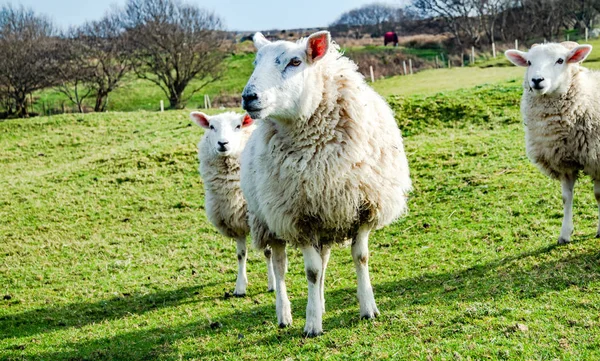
<point>295,62</point>
<point>212,127</point>
<point>528,62</point>
<point>560,61</point>
<point>238,127</point>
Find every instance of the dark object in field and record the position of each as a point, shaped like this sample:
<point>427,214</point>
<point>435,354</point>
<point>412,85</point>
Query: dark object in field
<point>215,325</point>
<point>7,297</point>
<point>390,38</point>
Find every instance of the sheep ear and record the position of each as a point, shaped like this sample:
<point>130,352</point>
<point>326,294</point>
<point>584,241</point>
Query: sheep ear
<point>578,54</point>
<point>247,121</point>
<point>317,45</point>
<point>259,40</point>
<point>569,44</point>
<point>200,119</point>
<point>516,57</point>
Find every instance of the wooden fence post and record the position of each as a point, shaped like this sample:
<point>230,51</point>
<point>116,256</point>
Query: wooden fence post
<point>404,67</point>
<point>410,66</point>
<point>494,50</point>
<point>371,70</point>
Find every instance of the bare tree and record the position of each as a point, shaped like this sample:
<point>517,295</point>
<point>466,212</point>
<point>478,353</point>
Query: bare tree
<point>105,45</point>
<point>458,14</point>
<point>173,44</point>
<point>26,64</point>
<point>371,18</point>
<point>74,69</point>
<point>489,13</point>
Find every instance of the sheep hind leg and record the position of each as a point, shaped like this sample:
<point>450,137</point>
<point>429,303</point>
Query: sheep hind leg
<point>282,303</point>
<point>325,252</point>
<point>242,279</point>
<point>360,255</point>
<point>567,185</point>
<point>270,272</point>
<point>597,195</point>
<point>313,266</point>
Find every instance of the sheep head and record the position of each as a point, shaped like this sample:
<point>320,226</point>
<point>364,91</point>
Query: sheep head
<point>224,132</point>
<point>549,66</point>
<point>283,85</point>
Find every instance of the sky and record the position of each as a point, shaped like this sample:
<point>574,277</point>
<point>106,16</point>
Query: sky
<point>250,15</point>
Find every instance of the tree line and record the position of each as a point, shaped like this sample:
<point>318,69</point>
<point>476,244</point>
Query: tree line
<point>167,42</point>
<point>476,23</point>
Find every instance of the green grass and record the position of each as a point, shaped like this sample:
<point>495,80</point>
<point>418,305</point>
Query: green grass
<point>429,82</point>
<point>106,253</point>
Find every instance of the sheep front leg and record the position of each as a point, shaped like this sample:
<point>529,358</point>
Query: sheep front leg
<point>282,303</point>
<point>270,272</point>
<point>325,252</point>
<point>242,280</point>
<point>567,184</point>
<point>360,255</point>
<point>313,266</point>
<point>597,195</point>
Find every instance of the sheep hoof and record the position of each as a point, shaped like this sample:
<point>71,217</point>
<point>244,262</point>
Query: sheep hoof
<point>562,240</point>
<point>271,290</point>
<point>235,294</point>
<point>370,315</point>
<point>311,334</point>
<point>283,325</point>
<point>598,235</point>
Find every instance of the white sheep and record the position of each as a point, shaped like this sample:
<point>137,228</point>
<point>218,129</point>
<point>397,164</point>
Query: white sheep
<point>219,153</point>
<point>561,114</point>
<point>326,164</point>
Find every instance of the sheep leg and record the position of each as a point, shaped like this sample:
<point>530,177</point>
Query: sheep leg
<point>313,266</point>
<point>597,195</point>
<point>360,255</point>
<point>325,252</point>
<point>567,184</point>
<point>282,303</point>
<point>242,280</point>
<point>270,272</point>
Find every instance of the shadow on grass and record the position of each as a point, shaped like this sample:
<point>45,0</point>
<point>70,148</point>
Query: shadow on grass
<point>480,282</point>
<point>43,320</point>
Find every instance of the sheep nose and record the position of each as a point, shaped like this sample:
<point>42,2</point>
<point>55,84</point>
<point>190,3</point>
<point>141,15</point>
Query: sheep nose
<point>248,99</point>
<point>222,144</point>
<point>537,81</point>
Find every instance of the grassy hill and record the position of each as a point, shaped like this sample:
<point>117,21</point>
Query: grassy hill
<point>106,252</point>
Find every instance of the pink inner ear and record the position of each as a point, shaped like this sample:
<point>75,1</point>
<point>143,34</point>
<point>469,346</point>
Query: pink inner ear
<point>517,58</point>
<point>579,55</point>
<point>201,120</point>
<point>247,120</point>
<point>318,46</point>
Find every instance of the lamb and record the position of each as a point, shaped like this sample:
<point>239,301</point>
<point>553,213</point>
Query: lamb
<point>561,113</point>
<point>326,165</point>
<point>219,153</point>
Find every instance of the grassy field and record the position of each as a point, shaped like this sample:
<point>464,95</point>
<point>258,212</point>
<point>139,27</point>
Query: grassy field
<point>106,253</point>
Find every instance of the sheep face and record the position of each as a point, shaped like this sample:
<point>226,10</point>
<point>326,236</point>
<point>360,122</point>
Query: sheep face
<point>284,73</point>
<point>549,66</point>
<point>224,132</point>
